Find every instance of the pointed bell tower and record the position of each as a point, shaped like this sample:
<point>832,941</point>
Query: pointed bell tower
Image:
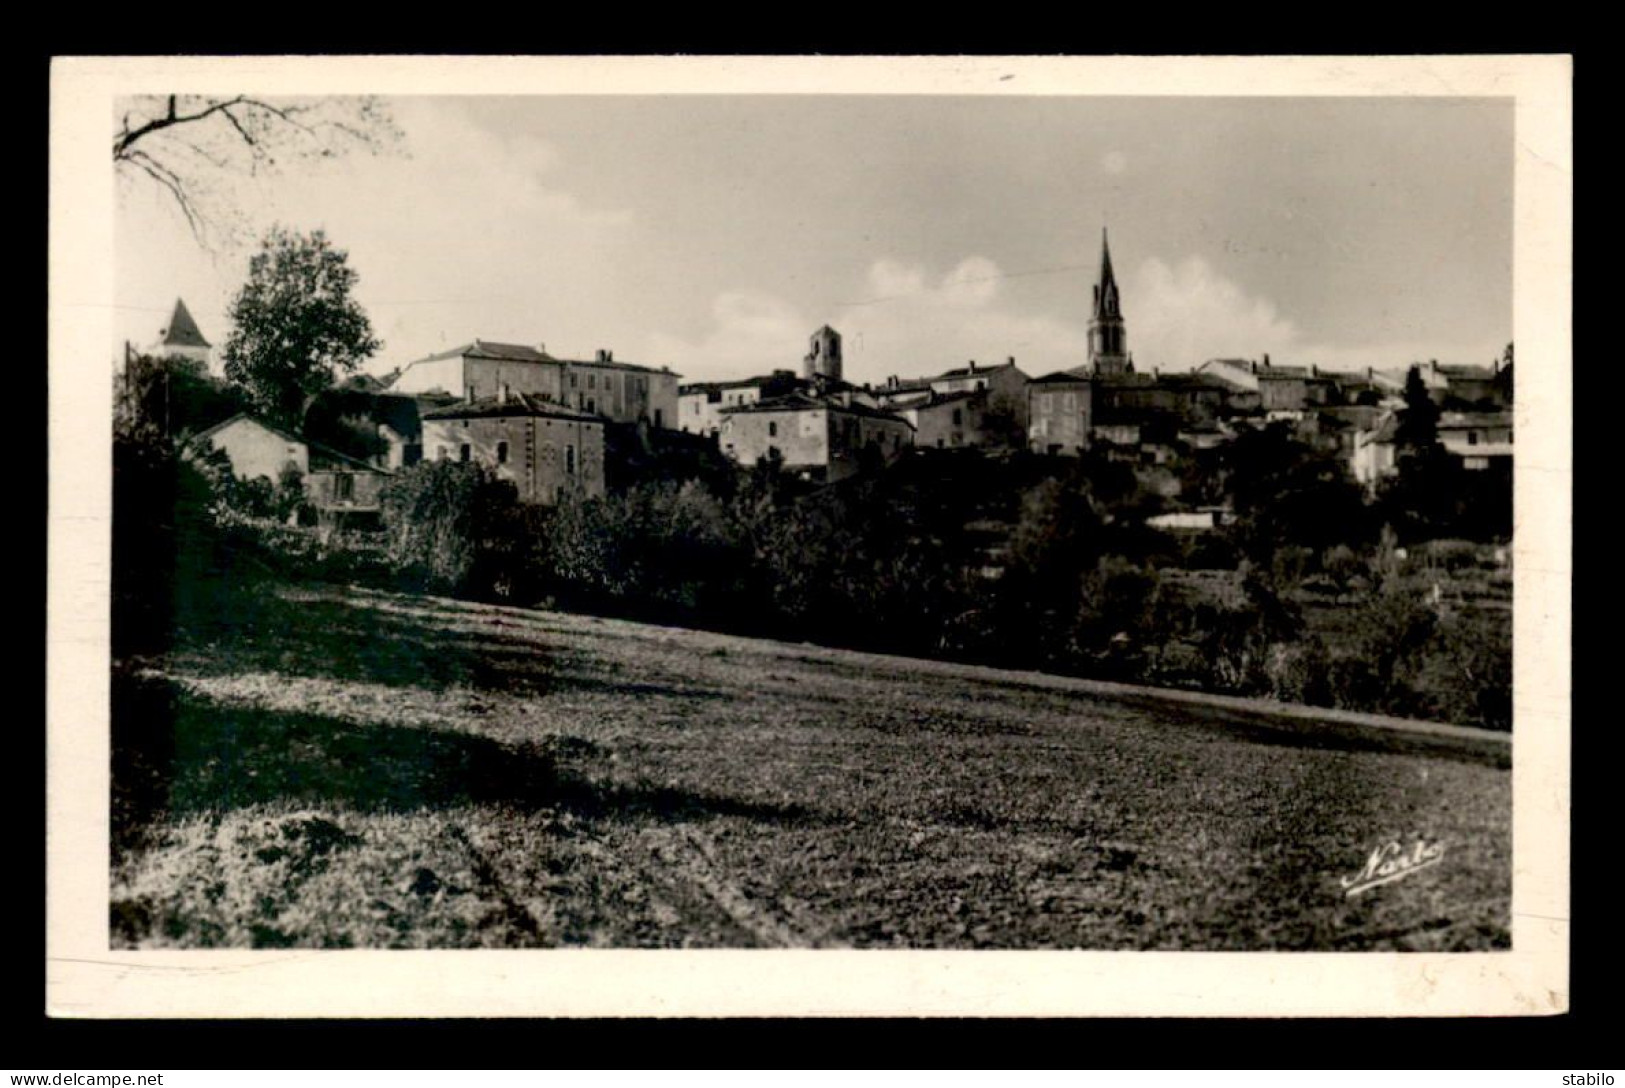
<point>181,337</point>
<point>1108,339</point>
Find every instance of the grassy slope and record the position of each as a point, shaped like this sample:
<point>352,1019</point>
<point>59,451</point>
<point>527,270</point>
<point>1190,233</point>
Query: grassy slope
<point>358,769</point>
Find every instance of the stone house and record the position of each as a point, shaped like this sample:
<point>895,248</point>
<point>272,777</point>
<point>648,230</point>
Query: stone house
<point>700,404</point>
<point>1060,413</point>
<point>949,421</point>
<point>1005,385</point>
<point>545,449</point>
<point>623,392</point>
<point>335,484</point>
<point>818,437</point>
<point>1480,439</point>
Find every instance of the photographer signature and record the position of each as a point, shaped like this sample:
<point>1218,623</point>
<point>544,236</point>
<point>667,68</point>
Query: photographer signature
<point>1390,861</point>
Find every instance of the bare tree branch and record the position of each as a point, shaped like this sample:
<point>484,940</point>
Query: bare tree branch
<point>177,140</point>
<point>122,145</point>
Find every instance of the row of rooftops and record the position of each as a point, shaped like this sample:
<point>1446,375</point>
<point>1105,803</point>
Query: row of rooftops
<point>524,353</point>
<point>182,331</point>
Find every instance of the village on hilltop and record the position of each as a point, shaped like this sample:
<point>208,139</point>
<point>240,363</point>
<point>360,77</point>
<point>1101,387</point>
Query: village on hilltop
<point>540,421</point>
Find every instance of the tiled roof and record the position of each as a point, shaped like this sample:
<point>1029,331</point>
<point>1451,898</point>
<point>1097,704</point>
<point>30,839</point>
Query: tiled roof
<point>966,372</point>
<point>802,402</point>
<point>1466,371</point>
<point>245,417</point>
<point>326,457</point>
<point>317,451</point>
<point>616,364</point>
<point>1191,380</point>
<point>491,349</point>
<point>1386,430</point>
<point>516,404</point>
<point>1071,376</point>
<point>1458,420</point>
<point>735,383</point>
<point>939,399</point>
<point>182,330</point>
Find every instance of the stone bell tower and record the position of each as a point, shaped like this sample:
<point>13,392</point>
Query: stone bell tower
<point>822,362</point>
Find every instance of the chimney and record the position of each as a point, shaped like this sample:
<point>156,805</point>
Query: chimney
<point>1266,360</point>
<point>973,366</point>
<point>1433,365</point>
<point>1011,361</point>
<point>502,393</point>
<point>1255,366</point>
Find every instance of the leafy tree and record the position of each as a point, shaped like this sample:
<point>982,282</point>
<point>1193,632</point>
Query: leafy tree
<point>1286,492</point>
<point>456,524</point>
<point>295,326</point>
<point>169,396</point>
<point>1418,430</point>
<point>194,146</point>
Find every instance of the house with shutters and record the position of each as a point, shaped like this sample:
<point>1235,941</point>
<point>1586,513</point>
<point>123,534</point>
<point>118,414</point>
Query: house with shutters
<point>546,449</point>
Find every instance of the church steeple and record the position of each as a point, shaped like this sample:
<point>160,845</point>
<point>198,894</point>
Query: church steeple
<point>1108,338</point>
<point>1106,304</point>
<point>182,337</point>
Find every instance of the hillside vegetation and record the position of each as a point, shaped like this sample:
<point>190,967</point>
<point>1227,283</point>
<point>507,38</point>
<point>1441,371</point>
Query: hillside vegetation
<point>331,767</point>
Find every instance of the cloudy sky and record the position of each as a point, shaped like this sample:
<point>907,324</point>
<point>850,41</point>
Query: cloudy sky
<point>713,234</point>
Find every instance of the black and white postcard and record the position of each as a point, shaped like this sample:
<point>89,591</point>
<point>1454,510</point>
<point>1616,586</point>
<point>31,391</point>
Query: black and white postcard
<point>987,536</point>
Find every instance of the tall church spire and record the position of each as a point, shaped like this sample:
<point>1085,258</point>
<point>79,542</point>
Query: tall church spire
<point>1106,303</point>
<point>1108,339</point>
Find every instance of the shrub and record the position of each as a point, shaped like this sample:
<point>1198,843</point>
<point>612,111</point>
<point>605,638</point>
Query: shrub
<point>456,526</point>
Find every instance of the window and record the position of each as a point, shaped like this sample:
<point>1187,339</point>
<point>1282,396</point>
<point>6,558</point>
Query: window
<point>463,452</point>
<point>592,405</point>
<point>959,417</point>
<point>772,429</point>
<point>1472,438</point>
<point>1046,405</point>
<point>592,381</point>
<point>574,379</point>
<point>1069,402</point>
<point>569,460</point>
<point>658,422</point>
<point>343,487</point>
<point>502,453</point>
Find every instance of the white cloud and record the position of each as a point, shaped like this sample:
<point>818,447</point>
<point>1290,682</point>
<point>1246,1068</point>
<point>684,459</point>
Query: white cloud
<point>913,323</point>
<point>752,332</point>
<point>1181,315</point>
<point>906,321</point>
